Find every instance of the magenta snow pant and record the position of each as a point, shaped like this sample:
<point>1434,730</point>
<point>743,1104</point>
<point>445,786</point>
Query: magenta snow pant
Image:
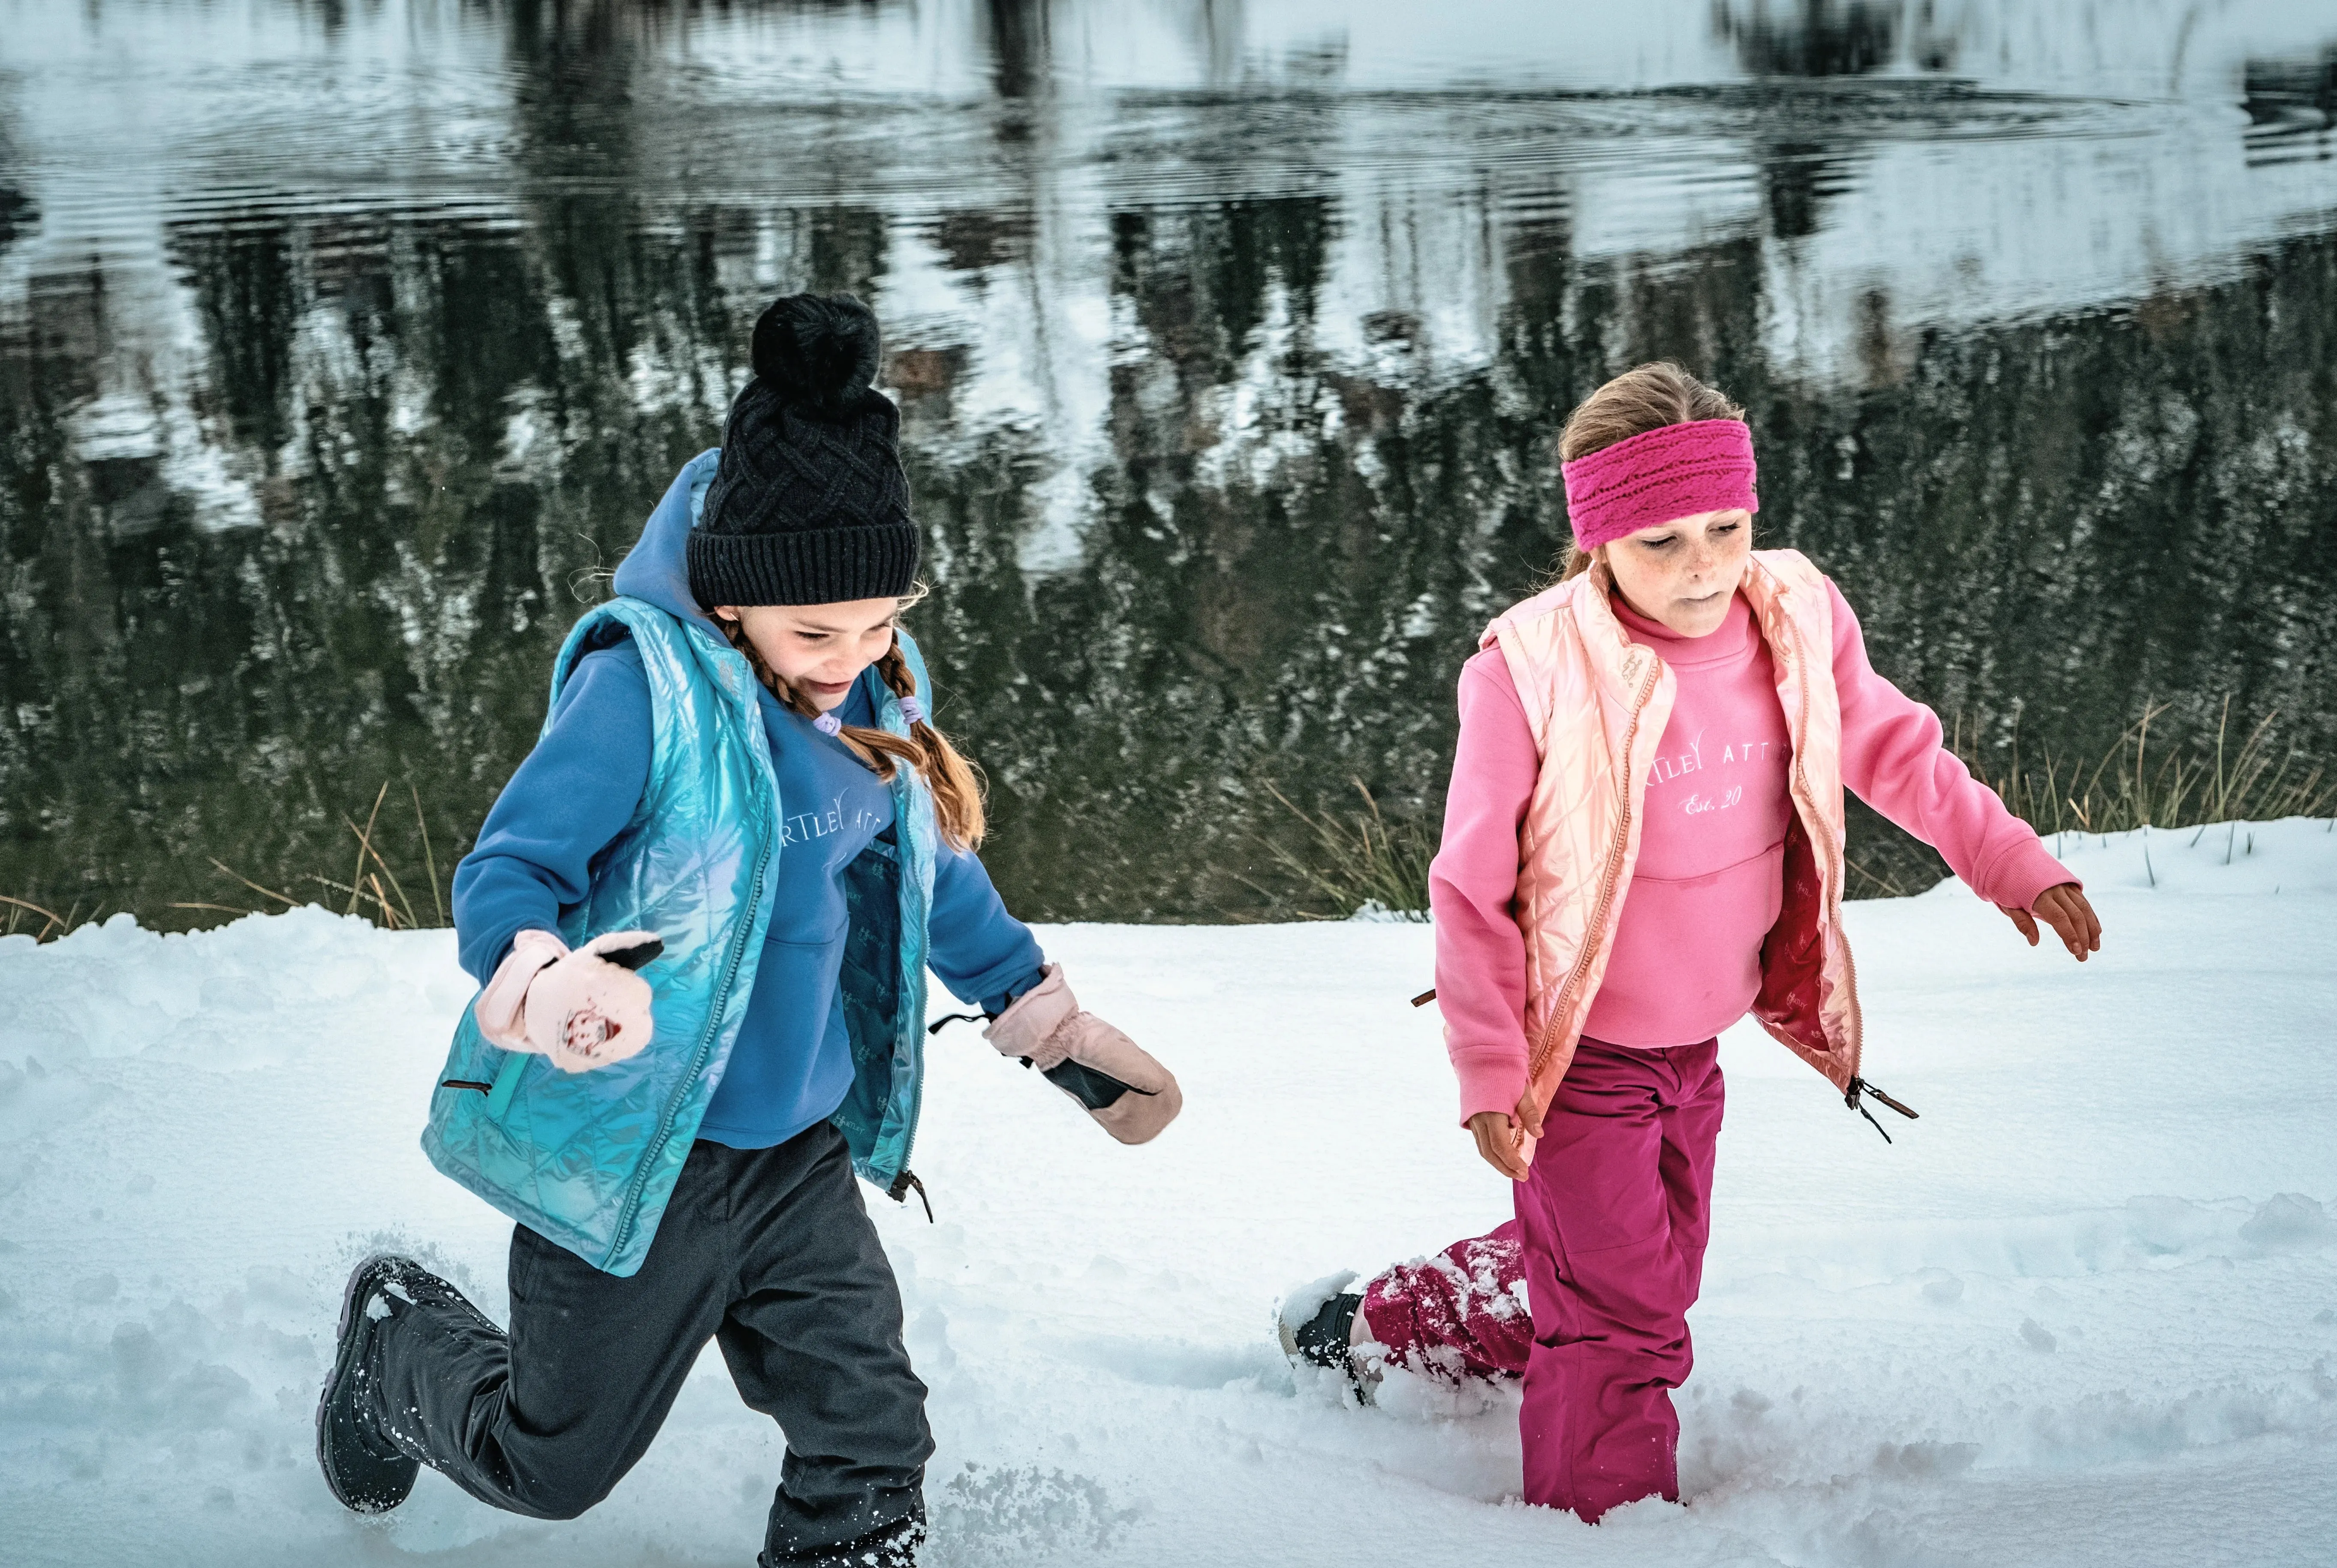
<point>1462,1313</point>
<point>1608,1250</point>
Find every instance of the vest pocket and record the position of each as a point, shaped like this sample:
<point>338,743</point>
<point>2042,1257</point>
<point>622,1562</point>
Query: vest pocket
<point>509,1068</point>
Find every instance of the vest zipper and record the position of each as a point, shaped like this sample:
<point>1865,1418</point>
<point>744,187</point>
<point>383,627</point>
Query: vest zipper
<point>904,801</point>
<point>1548,1042</point>
<point>1833,893</point>
<point>633,1209</point>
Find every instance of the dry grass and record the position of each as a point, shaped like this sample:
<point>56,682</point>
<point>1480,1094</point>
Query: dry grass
<point>372,889</point>
<point>1343,863</point>
<point>20,912</point>
<point>2152,780</point>
<point>1358,861</point>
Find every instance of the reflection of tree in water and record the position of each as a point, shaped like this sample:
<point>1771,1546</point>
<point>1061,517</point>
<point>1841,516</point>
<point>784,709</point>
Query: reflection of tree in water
<point>2291,107</point>
<point>2053,524</point>
<point>245,295</point>
<point>1227,625</point>
<point>18,215</point>
<point>1797,177</point>
<point>1016,33</point>
<point>2057,520</point>
<point>1812,38</point>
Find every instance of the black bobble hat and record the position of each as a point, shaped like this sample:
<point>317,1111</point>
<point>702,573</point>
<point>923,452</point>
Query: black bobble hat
<point>810,504</point>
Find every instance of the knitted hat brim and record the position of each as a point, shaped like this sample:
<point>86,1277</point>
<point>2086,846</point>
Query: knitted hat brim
<point>804,566</point>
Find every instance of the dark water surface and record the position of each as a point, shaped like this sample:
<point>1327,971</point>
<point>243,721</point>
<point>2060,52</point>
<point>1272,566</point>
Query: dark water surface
<point>338,341</point>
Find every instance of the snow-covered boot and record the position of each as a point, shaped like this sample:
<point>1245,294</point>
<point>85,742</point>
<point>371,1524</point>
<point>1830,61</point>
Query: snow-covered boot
<point>365,1471</point>
<point>1323,1338</point>
<point>893,1546</point>
<point>1316,1325</point>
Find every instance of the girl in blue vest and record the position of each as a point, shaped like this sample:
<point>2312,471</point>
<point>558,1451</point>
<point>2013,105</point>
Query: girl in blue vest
<point>702,912</point>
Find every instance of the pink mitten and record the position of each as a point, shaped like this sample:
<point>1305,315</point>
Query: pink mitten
<point>576,1008</point>
<point>1132,1095</point>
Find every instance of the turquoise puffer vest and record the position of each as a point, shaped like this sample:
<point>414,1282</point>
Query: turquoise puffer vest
<point>587,1160</point>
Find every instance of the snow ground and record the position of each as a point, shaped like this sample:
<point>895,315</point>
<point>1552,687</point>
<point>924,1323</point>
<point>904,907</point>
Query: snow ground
<point>2085,1311</point>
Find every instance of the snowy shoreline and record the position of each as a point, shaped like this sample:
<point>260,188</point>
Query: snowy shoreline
<point>2084,1311</point>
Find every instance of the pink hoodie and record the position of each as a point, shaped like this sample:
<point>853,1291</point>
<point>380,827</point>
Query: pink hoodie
<point>1707,884</point>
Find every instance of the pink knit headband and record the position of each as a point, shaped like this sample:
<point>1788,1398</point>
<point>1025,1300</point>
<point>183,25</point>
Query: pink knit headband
<point>1672,470</point>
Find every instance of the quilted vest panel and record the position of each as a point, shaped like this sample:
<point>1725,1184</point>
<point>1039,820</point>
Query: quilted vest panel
<point>1596,704</point>
<point>589,1160</point>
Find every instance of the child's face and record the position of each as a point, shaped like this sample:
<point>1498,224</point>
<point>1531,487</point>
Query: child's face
<point>1683,572</point>
<point>819,650</point>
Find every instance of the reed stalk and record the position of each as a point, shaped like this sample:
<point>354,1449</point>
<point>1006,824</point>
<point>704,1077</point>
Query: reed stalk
<point>365,844</point>
<point>19,908</point>
<point>429,860</point>
<point>1353,863</point>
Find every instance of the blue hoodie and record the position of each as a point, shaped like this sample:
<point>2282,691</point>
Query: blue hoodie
<point>575,792</point>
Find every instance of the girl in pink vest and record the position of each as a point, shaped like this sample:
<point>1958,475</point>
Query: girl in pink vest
<point>1643,844</point>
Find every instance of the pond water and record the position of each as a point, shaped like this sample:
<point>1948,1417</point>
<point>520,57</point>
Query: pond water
<point>340,341</point>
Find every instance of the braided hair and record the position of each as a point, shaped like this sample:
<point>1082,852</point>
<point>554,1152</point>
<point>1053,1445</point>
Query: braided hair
<point>955,784</point>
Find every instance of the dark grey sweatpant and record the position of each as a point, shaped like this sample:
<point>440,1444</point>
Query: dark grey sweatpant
<point>770,1252</point>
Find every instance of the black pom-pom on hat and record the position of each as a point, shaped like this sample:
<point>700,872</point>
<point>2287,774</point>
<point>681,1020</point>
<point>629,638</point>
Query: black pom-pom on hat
<point>818,352</point>
<point>810,504</point>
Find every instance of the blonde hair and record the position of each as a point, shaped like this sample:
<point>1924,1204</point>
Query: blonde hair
<point>1643,398</point>
<point>955,783</point>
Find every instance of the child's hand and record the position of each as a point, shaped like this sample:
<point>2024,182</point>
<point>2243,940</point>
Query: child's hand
<point>584,1011</point>
<point>1115,1080</point>
<point>1507,1147</point>
<point>580,1008</point>
<point>2065,909</point>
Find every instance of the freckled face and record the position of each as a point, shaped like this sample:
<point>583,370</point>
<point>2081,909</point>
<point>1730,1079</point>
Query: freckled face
<point>819,650</point>
<point>1683,572</point>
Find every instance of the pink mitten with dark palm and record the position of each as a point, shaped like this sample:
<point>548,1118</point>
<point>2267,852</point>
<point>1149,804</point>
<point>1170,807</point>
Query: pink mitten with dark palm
<point>584,1009</point>
<point>1132,1095</point>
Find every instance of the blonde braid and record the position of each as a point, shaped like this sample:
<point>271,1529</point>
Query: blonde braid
<point>955,782</point>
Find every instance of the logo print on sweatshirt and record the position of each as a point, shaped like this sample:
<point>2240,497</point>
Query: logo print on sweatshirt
<point>1667,770</point>
<point>804,826</point>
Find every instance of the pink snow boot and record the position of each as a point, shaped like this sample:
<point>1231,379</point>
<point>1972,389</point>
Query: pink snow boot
<point>584,1009</point>
<point>1114,1080</point>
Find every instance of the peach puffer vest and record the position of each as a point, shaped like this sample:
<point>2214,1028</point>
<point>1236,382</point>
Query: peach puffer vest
<point>1596,704</point>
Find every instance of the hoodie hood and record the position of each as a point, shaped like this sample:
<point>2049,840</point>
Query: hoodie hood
<point>656,570</point>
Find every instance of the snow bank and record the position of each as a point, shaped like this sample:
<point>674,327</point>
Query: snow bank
<point>2085,1311</point>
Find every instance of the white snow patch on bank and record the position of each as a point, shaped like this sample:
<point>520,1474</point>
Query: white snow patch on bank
<point>2084,1311</point>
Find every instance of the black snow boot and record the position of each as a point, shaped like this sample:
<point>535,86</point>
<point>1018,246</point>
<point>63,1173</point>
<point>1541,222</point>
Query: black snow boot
<point>893,1546</point>
<point>365,1472</point>
<point>1322,1338</point>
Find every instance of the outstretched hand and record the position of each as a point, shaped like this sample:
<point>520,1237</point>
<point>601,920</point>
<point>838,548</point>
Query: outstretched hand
<point>2064,908</point>
<point>1508,1147</point>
